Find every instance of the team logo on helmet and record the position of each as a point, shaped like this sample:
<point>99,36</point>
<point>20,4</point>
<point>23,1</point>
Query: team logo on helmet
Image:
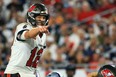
<point>31,8</point>
<point>107,73</point>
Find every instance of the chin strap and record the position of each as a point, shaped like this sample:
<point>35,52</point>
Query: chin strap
<point>46,23</point>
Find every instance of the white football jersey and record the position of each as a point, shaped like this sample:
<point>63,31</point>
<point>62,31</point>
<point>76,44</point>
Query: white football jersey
<point>25,53</point>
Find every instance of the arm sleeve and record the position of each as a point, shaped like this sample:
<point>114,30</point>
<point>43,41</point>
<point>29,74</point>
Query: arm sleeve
<point>21,29</point>
<point>20,35</point>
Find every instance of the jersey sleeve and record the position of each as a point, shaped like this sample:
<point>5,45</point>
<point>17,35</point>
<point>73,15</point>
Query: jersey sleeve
<point>20,31</point>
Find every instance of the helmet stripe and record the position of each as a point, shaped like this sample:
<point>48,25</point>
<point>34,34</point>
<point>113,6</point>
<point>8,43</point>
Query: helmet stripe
<point>31,8</point>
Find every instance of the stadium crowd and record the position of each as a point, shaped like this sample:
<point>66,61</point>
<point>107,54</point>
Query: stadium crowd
<point>82,32</point>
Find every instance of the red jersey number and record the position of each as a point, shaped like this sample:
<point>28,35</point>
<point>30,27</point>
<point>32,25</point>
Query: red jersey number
<point>32,62</point>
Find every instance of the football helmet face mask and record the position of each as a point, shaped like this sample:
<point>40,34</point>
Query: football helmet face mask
<point>35,10</point>
<point>53,74</point>
<point>107,71</point>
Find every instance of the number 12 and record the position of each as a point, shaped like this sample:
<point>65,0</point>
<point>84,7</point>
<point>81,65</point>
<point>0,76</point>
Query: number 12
<point>32,62</point>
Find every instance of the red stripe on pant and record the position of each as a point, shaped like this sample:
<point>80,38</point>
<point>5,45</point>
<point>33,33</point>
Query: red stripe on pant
<point>8,75</point>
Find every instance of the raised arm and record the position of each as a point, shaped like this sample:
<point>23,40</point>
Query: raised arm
<point>35,31</point>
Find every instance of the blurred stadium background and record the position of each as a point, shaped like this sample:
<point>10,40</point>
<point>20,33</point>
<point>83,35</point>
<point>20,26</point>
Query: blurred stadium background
<point>82,34</point>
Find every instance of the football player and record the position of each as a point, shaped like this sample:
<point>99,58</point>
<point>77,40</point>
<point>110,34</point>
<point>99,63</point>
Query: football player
<point>29,43</point>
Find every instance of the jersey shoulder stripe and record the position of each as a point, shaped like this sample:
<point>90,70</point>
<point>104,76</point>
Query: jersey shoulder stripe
<point>21,28</point>
<point>19,35</point>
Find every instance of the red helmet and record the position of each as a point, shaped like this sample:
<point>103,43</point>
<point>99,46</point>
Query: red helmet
<point>107,71</point>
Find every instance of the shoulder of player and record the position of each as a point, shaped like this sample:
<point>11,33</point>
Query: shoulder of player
<point>22,25</point>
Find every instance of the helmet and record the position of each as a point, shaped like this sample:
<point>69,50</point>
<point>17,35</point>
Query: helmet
<point>37,9</point>
<point>107,71</point>
<point>53,74</point>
